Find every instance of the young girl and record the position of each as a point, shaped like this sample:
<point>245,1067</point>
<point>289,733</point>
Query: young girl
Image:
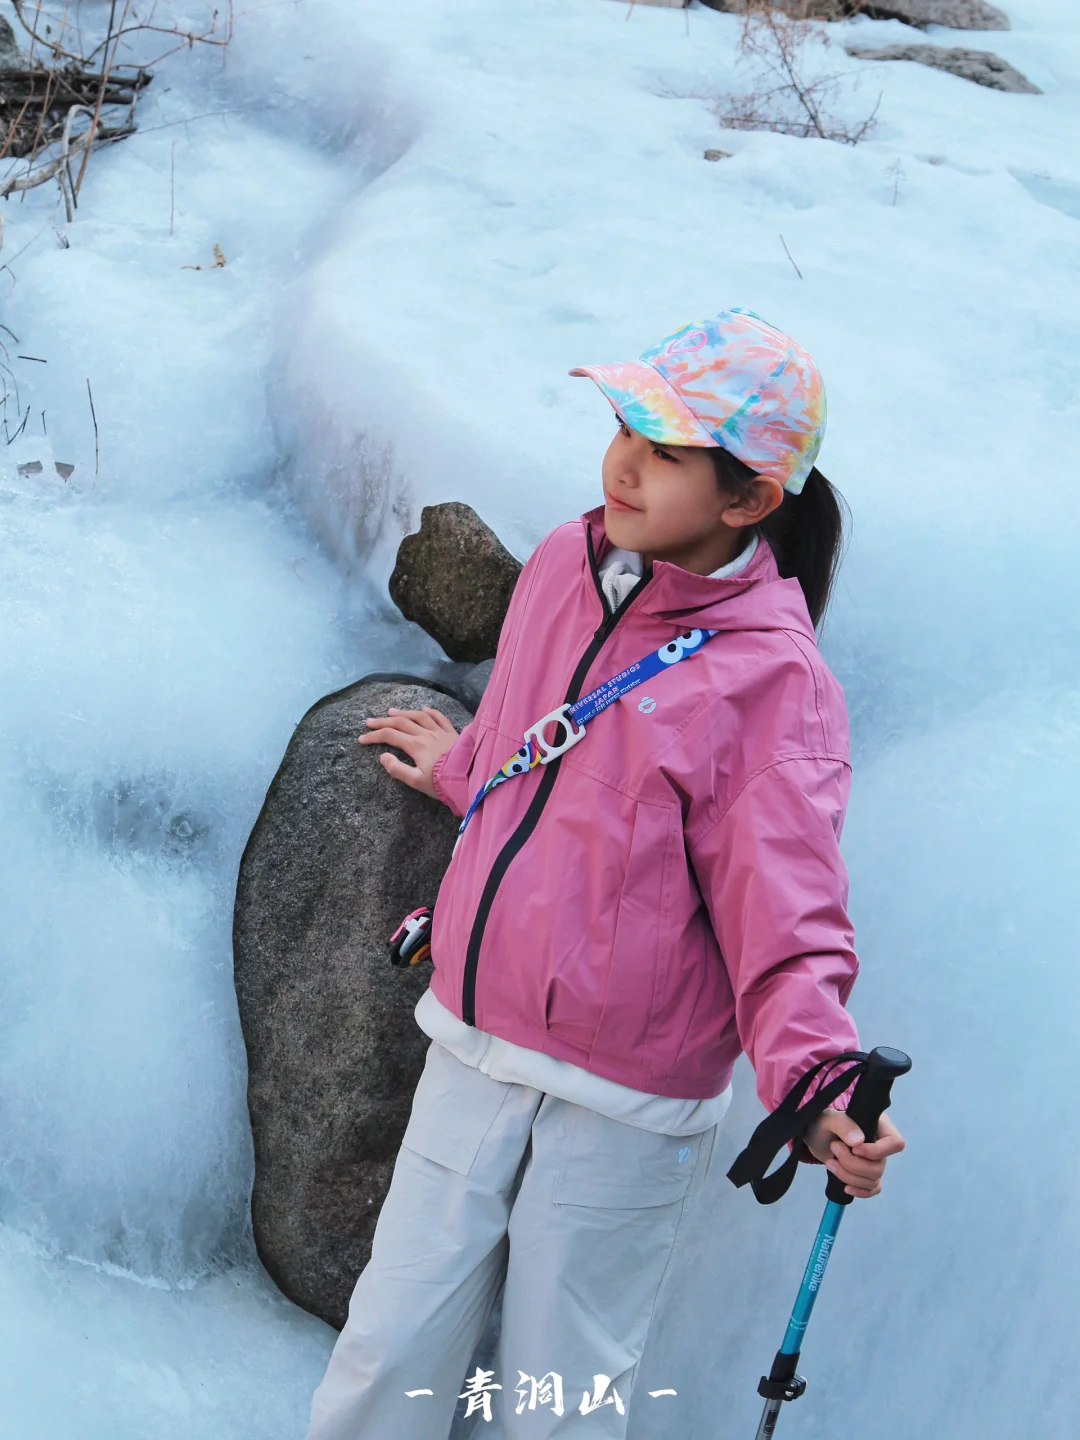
<point>620,919</point>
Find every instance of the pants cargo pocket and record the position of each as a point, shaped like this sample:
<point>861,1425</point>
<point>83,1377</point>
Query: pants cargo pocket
<point>610,1164</point>
<point>453,1109</point>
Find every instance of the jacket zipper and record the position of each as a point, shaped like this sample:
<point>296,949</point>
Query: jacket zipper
<point>531,817</point>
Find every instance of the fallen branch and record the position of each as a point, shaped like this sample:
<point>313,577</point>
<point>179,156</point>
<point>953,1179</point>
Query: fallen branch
<point>39,102</point>
<point>33,178</point>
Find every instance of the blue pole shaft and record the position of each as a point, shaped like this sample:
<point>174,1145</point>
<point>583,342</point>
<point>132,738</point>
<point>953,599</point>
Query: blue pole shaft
<point>812,1277</point>
<point>787,1356</point>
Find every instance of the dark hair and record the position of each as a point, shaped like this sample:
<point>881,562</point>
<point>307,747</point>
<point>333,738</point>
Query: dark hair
<point>805,532</point>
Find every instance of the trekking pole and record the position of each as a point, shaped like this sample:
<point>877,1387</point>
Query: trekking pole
<point>868,1101</point>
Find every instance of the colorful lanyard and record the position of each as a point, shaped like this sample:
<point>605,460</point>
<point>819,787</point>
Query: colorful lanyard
<point>573,718</point>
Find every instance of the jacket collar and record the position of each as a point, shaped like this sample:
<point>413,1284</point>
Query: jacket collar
<point>756,598</point>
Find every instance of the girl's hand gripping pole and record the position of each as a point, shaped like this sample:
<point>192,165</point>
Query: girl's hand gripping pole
<point>869,1100</point>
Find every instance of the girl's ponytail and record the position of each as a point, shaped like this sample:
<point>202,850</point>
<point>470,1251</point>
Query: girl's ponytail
<point>805,533</point>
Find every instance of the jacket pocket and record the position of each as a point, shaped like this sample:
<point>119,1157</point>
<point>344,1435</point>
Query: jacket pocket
<point>624,1033</point>
<point>610,1164</point>
<point>453,1109</point>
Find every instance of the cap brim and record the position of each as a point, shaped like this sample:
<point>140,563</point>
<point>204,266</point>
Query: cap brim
<point>641,396</point>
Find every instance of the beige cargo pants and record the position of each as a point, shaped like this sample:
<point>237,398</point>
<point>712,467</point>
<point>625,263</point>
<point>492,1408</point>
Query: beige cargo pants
<point>581,1217</point>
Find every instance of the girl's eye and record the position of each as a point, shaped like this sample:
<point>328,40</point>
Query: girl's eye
<point>664,455</point>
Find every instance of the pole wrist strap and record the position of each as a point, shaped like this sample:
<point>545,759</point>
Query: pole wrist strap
<point>790,1122</point>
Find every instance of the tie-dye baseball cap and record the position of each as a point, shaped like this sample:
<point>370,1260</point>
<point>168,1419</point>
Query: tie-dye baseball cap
<point>733,381</point>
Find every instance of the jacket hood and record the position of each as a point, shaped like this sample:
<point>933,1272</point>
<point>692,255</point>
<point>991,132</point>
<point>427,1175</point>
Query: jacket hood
<point>757,598</point>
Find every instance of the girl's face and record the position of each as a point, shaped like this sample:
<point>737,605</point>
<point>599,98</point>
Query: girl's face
<point>665,502</point>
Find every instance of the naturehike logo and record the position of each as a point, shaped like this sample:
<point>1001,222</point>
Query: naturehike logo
<point>820,1263</point>
<point>647,705</point>
<point>684,1154</point>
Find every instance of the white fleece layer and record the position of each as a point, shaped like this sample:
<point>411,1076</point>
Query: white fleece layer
<point>501,1060</point>
<point>621,571</point>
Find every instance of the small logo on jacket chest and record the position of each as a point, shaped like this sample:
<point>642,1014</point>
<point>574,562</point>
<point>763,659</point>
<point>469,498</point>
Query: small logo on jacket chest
<point>646,705</point>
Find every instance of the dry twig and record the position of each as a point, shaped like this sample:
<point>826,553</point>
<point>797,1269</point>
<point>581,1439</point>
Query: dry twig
<point>93,416</point>
<point>219,261</point>
<point>791,257</point>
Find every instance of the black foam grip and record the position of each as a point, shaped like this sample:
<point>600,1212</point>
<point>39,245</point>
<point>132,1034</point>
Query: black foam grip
<point>869,1100</point>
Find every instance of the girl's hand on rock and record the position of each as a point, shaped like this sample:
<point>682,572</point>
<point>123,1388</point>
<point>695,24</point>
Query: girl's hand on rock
<point>424,735</point>
<point>837,1142</point>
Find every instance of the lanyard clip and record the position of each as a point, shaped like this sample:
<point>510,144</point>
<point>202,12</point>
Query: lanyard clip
<point>563,719</point>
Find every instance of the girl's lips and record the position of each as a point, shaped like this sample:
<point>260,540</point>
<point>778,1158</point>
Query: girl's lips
<point>618,504</point>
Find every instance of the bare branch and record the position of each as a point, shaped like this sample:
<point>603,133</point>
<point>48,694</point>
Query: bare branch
<point>45,172</point>
<point>38,104</point>
<point>785,98</point>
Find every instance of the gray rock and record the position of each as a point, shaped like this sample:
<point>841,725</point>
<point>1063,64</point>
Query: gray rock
<point>471,686</point>
<point>956,14</point>
<point>981,66</point>
<point>339,854</point>
<point>11,57</point>
<point>454,577</point>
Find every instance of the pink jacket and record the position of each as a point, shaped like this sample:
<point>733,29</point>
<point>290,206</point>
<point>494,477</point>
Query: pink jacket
<point>670,892</point>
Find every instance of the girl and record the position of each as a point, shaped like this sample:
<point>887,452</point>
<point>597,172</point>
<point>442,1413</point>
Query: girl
<point>622,916</point>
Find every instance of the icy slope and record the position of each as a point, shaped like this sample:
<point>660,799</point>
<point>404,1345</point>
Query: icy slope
<point>165,624</point>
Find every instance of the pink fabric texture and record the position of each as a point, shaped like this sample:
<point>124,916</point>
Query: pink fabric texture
<point>681,897</point>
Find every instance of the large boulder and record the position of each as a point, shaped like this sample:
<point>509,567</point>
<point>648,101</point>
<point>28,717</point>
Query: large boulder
<point>454,577</point>
<point>957,14</point>
<point>981,66</point>
<point>339,853</point>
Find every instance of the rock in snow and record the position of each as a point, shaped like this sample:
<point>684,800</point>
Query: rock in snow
<point>339,854</point>
<point>982,66</point>
<point>454,577</point>
<point>11,57</point>
<point>956,14</point>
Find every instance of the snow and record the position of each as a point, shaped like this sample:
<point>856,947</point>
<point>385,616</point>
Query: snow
<point>429,215</point>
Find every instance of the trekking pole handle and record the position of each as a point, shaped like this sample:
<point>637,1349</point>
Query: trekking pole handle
<point>870,1099</point>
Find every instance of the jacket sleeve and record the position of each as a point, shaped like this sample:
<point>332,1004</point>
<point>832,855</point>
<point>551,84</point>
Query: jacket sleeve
<point>453,783</point>
<point>450,773</point>
<point>775,886</point>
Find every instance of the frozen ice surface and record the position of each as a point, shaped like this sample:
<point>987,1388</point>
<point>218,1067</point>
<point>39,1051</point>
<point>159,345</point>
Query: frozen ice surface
<point>429,214</point>
<point>97,1355</point>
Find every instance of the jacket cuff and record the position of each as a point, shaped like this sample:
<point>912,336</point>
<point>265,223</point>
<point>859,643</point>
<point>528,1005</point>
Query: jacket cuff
<point>440,792</point>
<point>842,1100</point>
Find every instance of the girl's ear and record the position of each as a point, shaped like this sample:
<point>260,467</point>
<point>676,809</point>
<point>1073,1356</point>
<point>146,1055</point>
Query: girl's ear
<point>760,498</point>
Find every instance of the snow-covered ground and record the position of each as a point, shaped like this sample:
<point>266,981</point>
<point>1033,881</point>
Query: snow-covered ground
<point>429,213</point>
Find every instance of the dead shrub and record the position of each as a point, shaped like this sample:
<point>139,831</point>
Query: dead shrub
<point>786,95</point>
<point>64,97</point>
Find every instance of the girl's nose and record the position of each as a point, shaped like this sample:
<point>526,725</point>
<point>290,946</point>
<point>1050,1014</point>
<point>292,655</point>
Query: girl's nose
<point>629,472</point>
